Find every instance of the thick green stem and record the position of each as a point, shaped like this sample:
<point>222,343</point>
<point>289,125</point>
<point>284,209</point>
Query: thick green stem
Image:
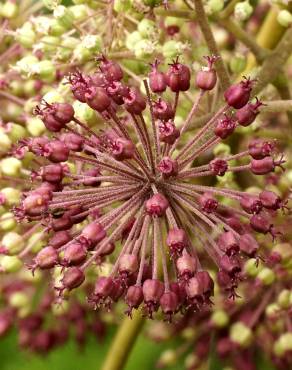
<point>245,38</point>
<point>123,342</point>
<point>274,63</point>
<point>211,43</point>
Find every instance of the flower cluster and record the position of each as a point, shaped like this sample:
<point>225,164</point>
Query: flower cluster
<point>259,326</point>
<point>134,193</point>
<point>32,317</point>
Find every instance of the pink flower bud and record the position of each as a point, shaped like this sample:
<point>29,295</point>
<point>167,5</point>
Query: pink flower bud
<point>230,264</point>
<point>168,133</point>
<point>168,167</point>
<point>134,102</point>
<point>117,91</point>
<point>128,264</point>
<point>169,303</point>
<point>73,141</point>
<point>107,250</point>
<point>61,223</point>
<point>93,233</point>
<point>103,287</point>
<point>228,243</point>
<point>251,204</point>
<point>47,258</point>
<point>270,200</point>
<point>74,254</point>
<point>259,149</point>
<point>218,166</point>
<point>247,114</point>
<point>157,205</point>
<point>178,77</point>
<point>97,98</point>
<point>93,172</point>
<point>73,278</point>
<point>225,127</point>
<point>162,110</point>
<point>208,203</point>
<point>123,149</point>
<point>206,78</point>
<point>59,239</point>
<point>186,266</point>
<point>265,165</point>
<point>261,223</point>
<point>111,69</point>
<point>157,80</point>
<point>248,245</point>
<point>134,297</point>
<point>52,173</point>
<point>152,290</point>
<point>57,151</point>
<point>177,241</point>
<point>34,204</point>
<point>238,95</point>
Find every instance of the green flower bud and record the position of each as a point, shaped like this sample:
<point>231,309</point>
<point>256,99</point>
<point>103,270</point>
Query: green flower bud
<point>5,143</point>
<point>9,9</point>
<point>219,318</point>
<point>29,105</point>
<point>67,48</point>
<point>80,12</point>
<point>243,10</point>
<point>36,242</point>
<point>49,44</point>
<point>284,18</point>
<point>283,299</point>
<point>214,6</point>
<point>251,268</point>
<point>57,28</point>
<point>173,21</point>
<point>172,49</point>
<point>51,4</point>
<point>10,264</point>
<point>272,310</point>
<point>266,276</point>
<point>53,96</point>
<point>84,113</point>
<point>64,15</point>
<point>42,24</point>
<point>12,196</point>
<point>121,6</point>
<point>241,334</point>
<point>16,87</point>
<point>7,221</point>
<point>19,300</point>
<point>17,132</point>
<point>25,65</point>
<point>46,70</point>
<point>35,126</point>
<point>238,63</point>
<point>92,43</point>
<point>12,242</point>
<point>10,166</point>
<point>132,40</point>
<point>81,54</point>
<point>25,35</point>
<point>144,48</point>
<point>147,28</point>
<point>283,344</point>
<point>167,358</point>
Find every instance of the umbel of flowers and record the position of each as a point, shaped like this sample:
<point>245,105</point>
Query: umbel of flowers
<point>131,192</point>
